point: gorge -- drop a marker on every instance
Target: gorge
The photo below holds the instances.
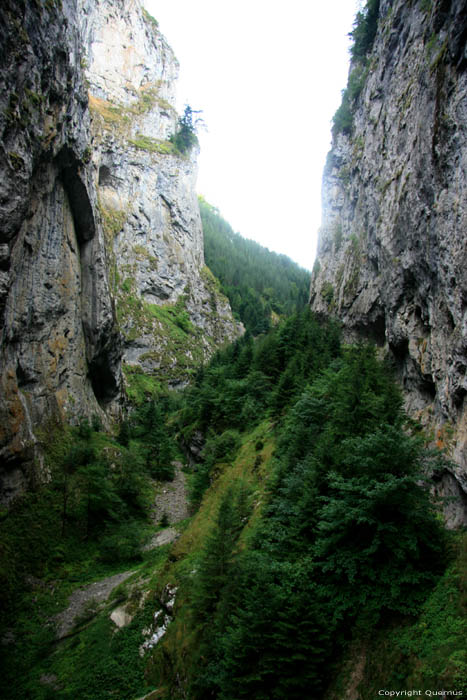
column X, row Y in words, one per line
column 214, row 485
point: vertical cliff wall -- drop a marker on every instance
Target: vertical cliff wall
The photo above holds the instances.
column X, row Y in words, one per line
column 170, row 312
column 101, row 247
column 392, row 253
column 59, row 351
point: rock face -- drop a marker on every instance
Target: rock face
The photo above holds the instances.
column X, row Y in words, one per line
column 60, row 350
column 392, row 254
column 170, row 311
column 101, row 248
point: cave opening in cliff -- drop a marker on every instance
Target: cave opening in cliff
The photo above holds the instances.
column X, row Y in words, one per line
column 77, row 193
column 374, row 331
column 103, row 381
column 104, row 175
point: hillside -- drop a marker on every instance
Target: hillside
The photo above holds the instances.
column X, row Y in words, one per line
column 192, row 511
column 311, row 532
column 261, row 285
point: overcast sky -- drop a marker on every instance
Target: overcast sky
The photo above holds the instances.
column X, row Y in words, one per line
column 268, row 76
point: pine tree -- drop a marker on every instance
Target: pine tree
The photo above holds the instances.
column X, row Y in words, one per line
column 378, row 541
column 216, row 561
column 158, row 443
column 276, row 641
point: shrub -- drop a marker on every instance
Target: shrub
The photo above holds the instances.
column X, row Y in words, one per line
column 84, row 429
column 96, row 423
column 182, row 320
column 222, row 446
column 342, row 120
column 122, row 544
column 327, row 292
column 363, row 35
column 356, row 81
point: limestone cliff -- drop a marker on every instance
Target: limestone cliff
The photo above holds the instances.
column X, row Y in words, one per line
column 60, row 351
column 170, row 311
column 392, row 255
column 97, row 211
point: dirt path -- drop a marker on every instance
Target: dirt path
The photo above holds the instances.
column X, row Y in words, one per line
column 82, row 597
column 172, row 499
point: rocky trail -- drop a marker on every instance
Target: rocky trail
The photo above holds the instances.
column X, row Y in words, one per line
column 170, row 501
column 83, row 599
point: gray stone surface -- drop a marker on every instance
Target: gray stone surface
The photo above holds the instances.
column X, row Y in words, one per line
column 166, row 536
column 392, row 247
column 60, row 350
column 97, row 213
column 121, row 617
column 171, row 498
column 81, row 600
column 147, row 195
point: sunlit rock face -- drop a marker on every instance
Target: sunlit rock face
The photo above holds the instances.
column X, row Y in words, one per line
column 147, row 197
column 60, row 350
column 392, row 252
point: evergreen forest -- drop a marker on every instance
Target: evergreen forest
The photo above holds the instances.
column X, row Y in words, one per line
column 311, row 536
column 261, row 286
column 311, row 558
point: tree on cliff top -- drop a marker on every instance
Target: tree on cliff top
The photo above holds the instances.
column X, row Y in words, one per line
column 364, row 30
column 185, row 137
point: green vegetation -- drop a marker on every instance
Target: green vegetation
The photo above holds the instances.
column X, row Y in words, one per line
column 146, row 143
column 426, row 5
column 248, row 379
column 96, row 482
column 327, row 292
column 112, row 115
column 345, row 539
column 342, row 120
column 25, row 109
column 314, row 533
column 185, row 137
column 435, row 645
column 113, row 221
column 364, row 30
column 140, row 385
column 259, row 284
column 100, row 663
column 337, row 236
column 120, row 117
column 17, row 162
column 88, row 521
column 426, row 652
column 363, row 36
column 178, row 347
column 152, row 21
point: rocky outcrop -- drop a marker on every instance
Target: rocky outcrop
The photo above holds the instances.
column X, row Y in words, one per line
column 101, row 247
column 392, row 255
column 60, row 350
column 171, row 313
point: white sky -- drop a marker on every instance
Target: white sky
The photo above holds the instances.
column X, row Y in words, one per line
column 268, row 76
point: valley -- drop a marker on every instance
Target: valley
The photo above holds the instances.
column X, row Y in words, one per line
column 221, row 475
